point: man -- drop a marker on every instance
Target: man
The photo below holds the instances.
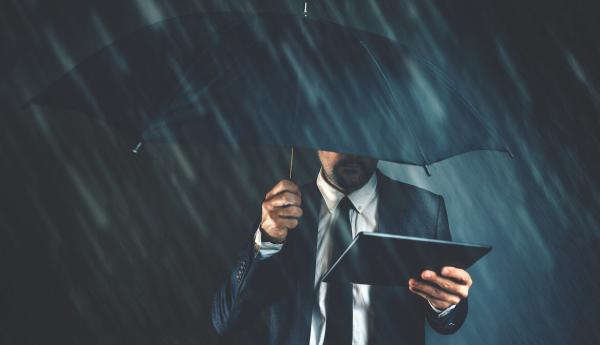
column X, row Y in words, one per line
column 274, row 293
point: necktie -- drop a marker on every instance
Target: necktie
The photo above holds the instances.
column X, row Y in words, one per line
column 338, row 301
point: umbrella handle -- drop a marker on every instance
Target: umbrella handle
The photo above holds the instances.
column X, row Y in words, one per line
column 291, row 162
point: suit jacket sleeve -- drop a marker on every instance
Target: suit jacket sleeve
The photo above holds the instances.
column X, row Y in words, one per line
column 251, row 285
column 451, row 322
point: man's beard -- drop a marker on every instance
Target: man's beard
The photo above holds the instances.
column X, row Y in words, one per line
column 351, row 173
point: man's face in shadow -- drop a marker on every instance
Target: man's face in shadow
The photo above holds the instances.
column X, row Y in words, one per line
column 346, row 172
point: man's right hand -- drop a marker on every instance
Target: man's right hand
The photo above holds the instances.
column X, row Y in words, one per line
column 281, row 210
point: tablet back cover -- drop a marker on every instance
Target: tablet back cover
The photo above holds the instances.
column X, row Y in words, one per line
column 386, row 259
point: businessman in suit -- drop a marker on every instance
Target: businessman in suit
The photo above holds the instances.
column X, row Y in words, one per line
column 274, row 294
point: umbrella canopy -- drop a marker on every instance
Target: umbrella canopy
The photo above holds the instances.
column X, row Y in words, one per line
column 279, row 80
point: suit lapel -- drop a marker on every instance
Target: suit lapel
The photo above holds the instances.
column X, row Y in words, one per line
column 308, row 226
column 391, row 208
column 394, row 216
column 303, row 250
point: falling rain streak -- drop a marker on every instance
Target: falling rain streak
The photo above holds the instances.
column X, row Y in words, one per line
column 103, row 246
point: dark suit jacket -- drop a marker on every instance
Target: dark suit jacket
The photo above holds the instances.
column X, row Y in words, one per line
column 270, row 300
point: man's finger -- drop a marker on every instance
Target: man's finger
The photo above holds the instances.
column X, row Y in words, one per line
column 457, row 274
column 284, row 199
column 289, row 223
column 435, row 292
column 283, row 186
column 446, row 284
column 438, row 303
column 289, row 212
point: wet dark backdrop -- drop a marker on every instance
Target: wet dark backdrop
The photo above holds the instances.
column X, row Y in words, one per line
column 98, row 246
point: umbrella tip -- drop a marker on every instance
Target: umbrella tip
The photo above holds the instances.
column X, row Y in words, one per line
column 137, row 147
column 510, row 154
column 426, row 168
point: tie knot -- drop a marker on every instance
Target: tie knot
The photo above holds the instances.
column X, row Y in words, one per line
column 345, row 205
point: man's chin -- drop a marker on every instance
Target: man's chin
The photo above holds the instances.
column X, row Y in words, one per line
column 353, row 181
column 350, row 177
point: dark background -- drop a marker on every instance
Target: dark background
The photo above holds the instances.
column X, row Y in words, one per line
column 100, row 246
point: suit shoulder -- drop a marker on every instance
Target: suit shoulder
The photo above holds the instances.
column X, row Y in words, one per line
column 406, row 188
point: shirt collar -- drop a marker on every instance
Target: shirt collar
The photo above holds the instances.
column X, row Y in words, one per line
column 359, row 198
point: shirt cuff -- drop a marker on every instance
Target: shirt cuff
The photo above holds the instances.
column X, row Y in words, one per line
column 265, row 249
column 441, row 313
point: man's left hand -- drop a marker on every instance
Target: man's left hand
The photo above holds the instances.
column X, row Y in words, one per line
column 442, row 290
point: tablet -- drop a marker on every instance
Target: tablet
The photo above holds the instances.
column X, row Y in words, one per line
column 387, row 259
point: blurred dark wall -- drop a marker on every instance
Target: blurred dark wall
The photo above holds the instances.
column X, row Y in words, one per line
column 100, row 246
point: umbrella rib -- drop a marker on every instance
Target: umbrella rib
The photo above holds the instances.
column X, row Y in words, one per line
column 456, row 91
column 426, row 163
column 387, row 84
column 181, row 87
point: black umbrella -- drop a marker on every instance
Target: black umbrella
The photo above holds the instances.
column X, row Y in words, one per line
column 281, row 80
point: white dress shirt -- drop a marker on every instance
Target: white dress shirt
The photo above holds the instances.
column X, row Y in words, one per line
column 362, row 218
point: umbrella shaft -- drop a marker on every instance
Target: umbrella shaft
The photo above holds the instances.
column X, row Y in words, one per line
column 291, row 162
